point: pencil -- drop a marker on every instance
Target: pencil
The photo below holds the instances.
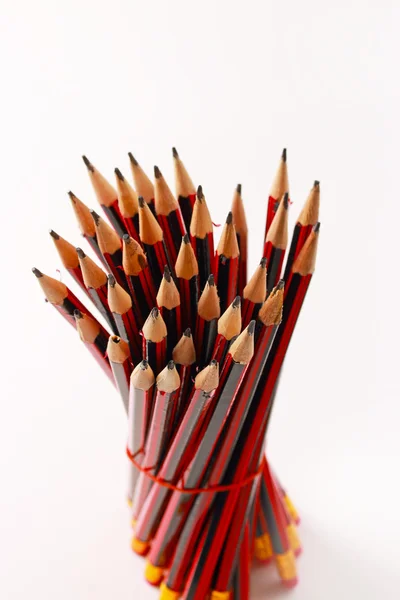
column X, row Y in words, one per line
column 169, row 215
column 106, row 196
column 169, row 304
column 143, row 185
column 151, row 236
column 184, row 356
column 279, row 187
column 121, row 364
column 202, row 239
column 184, row 188
column 227, row 263
column 95, row 337
column 276, row 243
column 110, row 246
column 138, row 276
column 128, row 205
column 86, row 225
column 254, row 293
column 69, row 258
column 208, row 311
column 229, row 327
column 187, row 271
column 154, row 340
column 120, row 304
column 239, row 221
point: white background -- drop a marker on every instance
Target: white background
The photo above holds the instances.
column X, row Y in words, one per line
column 229, row 84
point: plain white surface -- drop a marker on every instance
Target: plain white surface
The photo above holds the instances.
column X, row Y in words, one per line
column 229, row 84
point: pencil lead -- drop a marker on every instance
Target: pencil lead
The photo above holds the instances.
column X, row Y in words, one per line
column 236, row 303
column 141, row 201
column 271, row 311
column 286, row 200
column 168, row 380
column 187, row 332
column 96, row 216
column 316, row 227
column 119, row 175
column 229, row 218
column 251, row 327
column 186, row 239
column 126, row 238
column 211, row 280
column 154, row 313
column 184, row 352
column 207, row 380
column 280, row 285
column 167, row 274
column 133, row 159
column 175, row 153
column 199, row 193
column 242, row 348
column 144, row 364
column 77, row 314
column 54, row 234
column 263, row 262
column 71, row 195
column 36, row 272
column 142, row 376
column 230, row 323
column 80, row 253
column 214, row 362
column 157, row 173
column 284, row 155
column 171, row 365
column 239, row 188
column 111, row 280
column 88, row 164
column 316, row 183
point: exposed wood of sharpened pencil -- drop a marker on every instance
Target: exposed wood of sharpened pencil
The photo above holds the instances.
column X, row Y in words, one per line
column 154, row 340
column 276, row 243
column 140, row 405
column 69, row 258
column 128, row 205
column 184, row 356
column 239, row 221
column 61, row 297
column 111, row 248
column 168, row 543
column 169, row 215
column 160, row 432
column 95, row 281
column 254, row 293
column 107, row 197
column 143, row 185
column 227, row 263
column 181, row 451
column 120, row 304
column 95, row 338
column 229, row 327
column 208, row 311
column 86, row 225
column 152, row 238
column 305, row 222
column 280, row 187
column 121, row 364
column 184, row 188
column 202, row 238
column 169, row 304
column 139, row 278
column 187, row 271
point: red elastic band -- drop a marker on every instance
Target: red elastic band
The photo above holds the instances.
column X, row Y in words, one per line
column 212, row 488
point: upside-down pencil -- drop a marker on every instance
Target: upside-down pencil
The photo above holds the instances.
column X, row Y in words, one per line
column 239, row 221
column 184, row 356
column 226, row 265
column 276, row 243
column 208, row 311
column 169, row 215
column 69, row 258
column 160, row 432
column 128, row 205
column 143, row 185
column 154, row 340
column 95, row 338
column 178, row 514
column 202, row 238
column 187, row 271
column 178, row 457
column 95, row 281
column 254, row 293
column 120, row 304
column 184, row 189
column 229, row 326
column 279, row 187
column 138, row 276
column 151, row 236
column 86, row 225
column 121, row 364
column 139, row 413
column 107, row 197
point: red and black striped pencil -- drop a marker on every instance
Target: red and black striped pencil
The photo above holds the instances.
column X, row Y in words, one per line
column 208, row 311
column 201, row 237
column 226, row 265
column 128, row 205
column 86, row 225
column 239, row 221
column 187, row 271
column 142, row 183
column 254, row 293
column 69, row 258
column 169, row 215
column 152, row 238
column 184, row 189
column 280, row 187
column 169, row 304
column 276, row 243
column 154, row 334
column 121, row 364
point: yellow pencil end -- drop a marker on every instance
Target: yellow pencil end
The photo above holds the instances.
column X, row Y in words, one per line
column 153, row 574
column 294, row 515
column 139, row 547
column 220, row 595
column 293, row 538
column 263, row 547
column 286, row 565
column 167, row 594
column 129, row 502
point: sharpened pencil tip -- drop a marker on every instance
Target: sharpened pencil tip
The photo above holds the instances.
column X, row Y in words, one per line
column 229, row 218
column 154, row 313
column 280, row 285
column 115, row 339
column 80, row 253
column 167, row 274
column 199, row 193
column 111, row 280
column 211, row 280
column 142, row 202
column 133, row 159
column 316, row 227
column 72, row 196
column 144, row 364
column 251, row 327
column 186, row 239
column 213, row 363
column 236, row 302
column 157, row 172
column 286, row 200
column 175, row 152
column 119, row 175
column 96, row 216
column 284, row 154
column 171, row 365
column 239, row 188
column 77, row 314
column 316, row 183
column 187, row 332
column 88, row 163
column 263, row 262
column 126, row 238
column 54, row 234
column 36, row 272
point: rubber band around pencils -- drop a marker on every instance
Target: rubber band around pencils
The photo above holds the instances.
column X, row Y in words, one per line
column 194, row 491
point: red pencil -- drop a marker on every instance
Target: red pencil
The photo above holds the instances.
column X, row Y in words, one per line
column 201, row 237
column 120, row 304
column 143, row 185
column 86, row 225
column 152, row 238
column 95, row 338
column 229, row 327
column 187, row 272
column 121, row 364
column 226, row 265
column 139, row 278
column 208, row 311
column 279, row 187
column 239, row 221
column 154, row 334
column 169, row 304
column 254, row 293
column 276, row 243
column 169, row 215
column 69, row 258
column 184, row 189
column 111, row 248
column 128, row 205
column 184, row 356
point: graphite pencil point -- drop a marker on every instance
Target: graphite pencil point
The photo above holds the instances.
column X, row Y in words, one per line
column 88, row 163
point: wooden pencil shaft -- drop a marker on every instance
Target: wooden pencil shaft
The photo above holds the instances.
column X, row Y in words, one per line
column 121, row 376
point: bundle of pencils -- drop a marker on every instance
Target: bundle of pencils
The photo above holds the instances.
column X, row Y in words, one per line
column 195, row 351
